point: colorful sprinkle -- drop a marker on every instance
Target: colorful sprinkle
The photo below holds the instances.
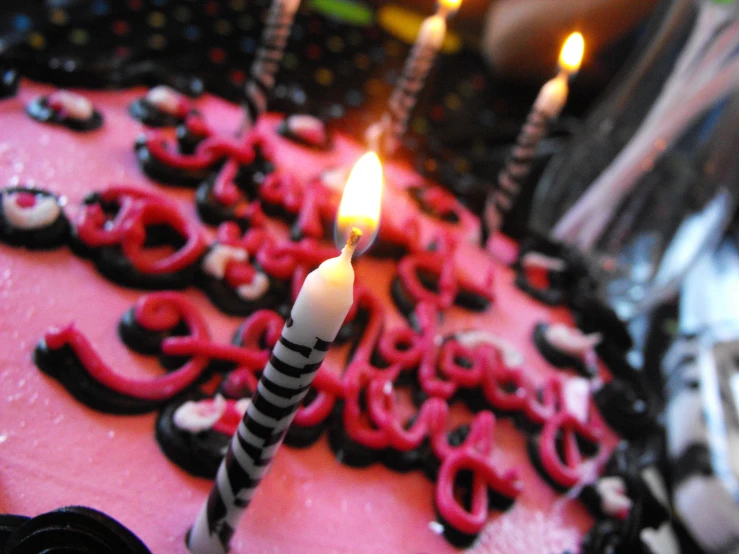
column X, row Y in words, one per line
column 245, row 22
column 120, row 27
column 290, row 61
column 37, row 41
column 420, row 125
column 335, row 44
column 466, row 88
column 135, row 5
column 324, row 76
column 313, row 51
column 238, row 77
column 362, row 61
column 192, row 33
column 58, row 17
column 315, row 27
column 157, row 20
column 78, row 36
column 157, row 41
column 436, row 113
column 222, row 27
column 453, row 101
column 22, row 22
column 182, row 14
column 212, row 8
column 100, row 7
column 248, row 45
column 217, row 55
column 462, row 165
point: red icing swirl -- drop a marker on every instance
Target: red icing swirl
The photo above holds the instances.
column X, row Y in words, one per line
column 138, row 210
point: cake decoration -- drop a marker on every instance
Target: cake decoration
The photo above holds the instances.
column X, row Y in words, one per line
column 119, row 228
column 400, row 379
column 567, row 347
column 433, row 278
column 306, row 130
column 66, row 108
column 631, row 507
column 67, row 355
column 161, row 106
column 33, row 218
column 72, row 529
column 625, row 409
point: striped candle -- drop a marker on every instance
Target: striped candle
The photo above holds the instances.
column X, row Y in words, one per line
column 314, row 322
column 268, row 58
column 384, row 136
column 547, row 107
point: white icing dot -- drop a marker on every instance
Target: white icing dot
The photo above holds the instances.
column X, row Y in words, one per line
column 613, row 499
column 576, row 397
column 308, row 128
column 256, row 289
column 75, row 105
column 199, row 416
column 536, row 259
column 215, row 262
column 471, row 339
column 570, row 339
column 43, row 213
column 165, row 99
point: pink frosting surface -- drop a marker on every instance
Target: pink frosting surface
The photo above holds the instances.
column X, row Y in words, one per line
column 55, row 451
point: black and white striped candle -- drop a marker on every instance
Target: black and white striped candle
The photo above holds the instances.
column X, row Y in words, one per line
column 267, row 61
column 394, row 122
column 517, row 168
column 547, row 107
column 315, row 319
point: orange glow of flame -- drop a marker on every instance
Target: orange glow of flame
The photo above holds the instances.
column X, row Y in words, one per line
column 449, row 6
column 572, row 52
column 361, row 202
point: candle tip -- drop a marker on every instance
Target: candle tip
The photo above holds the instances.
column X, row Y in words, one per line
column 354, row 237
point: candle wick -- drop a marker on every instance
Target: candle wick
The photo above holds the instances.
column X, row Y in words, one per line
column 351, row 243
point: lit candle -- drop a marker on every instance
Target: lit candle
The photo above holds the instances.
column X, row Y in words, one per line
column 547, row 107
column 268, row 58
column 319, row 311
column 385, row 134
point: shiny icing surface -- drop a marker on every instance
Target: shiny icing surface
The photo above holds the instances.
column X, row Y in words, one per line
column 308, row 491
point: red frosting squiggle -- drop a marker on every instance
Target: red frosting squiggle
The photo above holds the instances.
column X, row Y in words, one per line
column 138, row 210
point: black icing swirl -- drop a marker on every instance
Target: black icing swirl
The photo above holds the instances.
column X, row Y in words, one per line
column 74, row 529
column 625, row 409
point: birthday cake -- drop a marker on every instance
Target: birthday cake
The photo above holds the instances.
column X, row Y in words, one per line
column 147, row 274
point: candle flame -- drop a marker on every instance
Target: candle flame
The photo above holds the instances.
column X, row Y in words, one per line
column 449, row 7
column 572, row 52
column 360, row 203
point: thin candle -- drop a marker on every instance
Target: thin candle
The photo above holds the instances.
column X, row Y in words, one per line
column 267, row 61
column 315, row 319
column 547, row 107
column 386, row 134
